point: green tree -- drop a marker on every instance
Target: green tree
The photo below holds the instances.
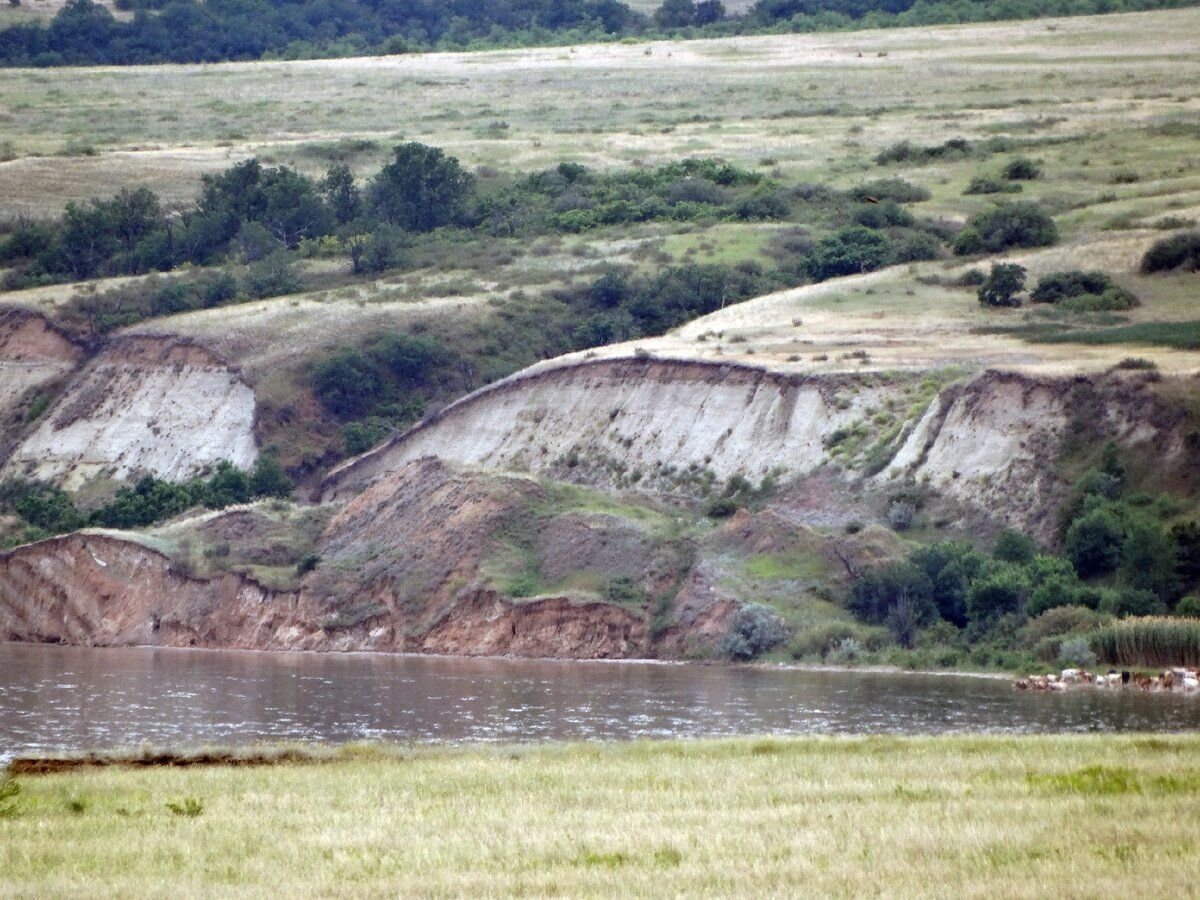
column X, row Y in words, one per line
column 1093, row 543
column 347, row 383
column 87, row 239
column 269, row 479
column 341, row 193
column 1002, row 285
column 1014, row 547
column 227, row 485
column 999, row 592
column 421, row 188
column 675, row 14
column 1149, row 562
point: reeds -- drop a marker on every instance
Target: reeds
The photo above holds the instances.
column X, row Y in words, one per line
column 1149, row 641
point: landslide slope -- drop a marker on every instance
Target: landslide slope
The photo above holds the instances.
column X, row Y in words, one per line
column 431, row 559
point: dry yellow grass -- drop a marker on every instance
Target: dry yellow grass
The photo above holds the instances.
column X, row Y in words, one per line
column 820, row 105
column 949, row 817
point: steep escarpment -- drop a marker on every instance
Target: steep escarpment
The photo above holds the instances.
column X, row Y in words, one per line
column 143, row 405
column 98, row 590
column 990, row 442
column 34, row 356
column 730, row 419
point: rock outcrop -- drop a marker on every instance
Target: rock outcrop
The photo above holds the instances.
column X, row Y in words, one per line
column 989, row 443
column 143, row 405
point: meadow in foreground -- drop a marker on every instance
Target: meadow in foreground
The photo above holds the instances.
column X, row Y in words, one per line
column 1068, row 816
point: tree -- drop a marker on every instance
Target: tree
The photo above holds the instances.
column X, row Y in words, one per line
column 347, row 383
column 1186, row 536
column 1093, row 543
column 1014, row 547
column 878, row 591
column 1001, row 592
column 421, row 188
column 1002, row 285
column 341, row 193
column 1006, row 226
column 269, row 478
column 1149, row 561
column 86, row 240
column 675, row 14
column 709, row 11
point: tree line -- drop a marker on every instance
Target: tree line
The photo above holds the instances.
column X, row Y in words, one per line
column 179, row 31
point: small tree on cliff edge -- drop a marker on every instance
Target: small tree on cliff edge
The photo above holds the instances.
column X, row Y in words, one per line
column 1002, row 285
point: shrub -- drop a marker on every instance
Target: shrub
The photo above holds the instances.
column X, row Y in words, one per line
column 1188, row 607
column 347, row 383
column 895, row 189
column 986, row 184
column 849, row 251
column 268, row 479
column 883, row 215
column 1056, row 286
column 1173, row 252
column 917, row 247
column 189, row 807
column 1076, row 652
column 1003, row 283
column 1004, row 227
column 1060, row 621
column 9, row 791
column 1115, row 299
column 900, row 515
column 754, row 630
column 1022, row 169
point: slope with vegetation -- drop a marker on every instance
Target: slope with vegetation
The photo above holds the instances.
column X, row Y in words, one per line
column 808, row 354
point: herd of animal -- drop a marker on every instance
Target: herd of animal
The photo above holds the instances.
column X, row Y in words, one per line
column 1167, row 680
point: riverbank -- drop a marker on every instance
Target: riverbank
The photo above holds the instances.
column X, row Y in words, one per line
column 1067, row 816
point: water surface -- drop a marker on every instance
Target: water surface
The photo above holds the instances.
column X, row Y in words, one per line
column 73, row 698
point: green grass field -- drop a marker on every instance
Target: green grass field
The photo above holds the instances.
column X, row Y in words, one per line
column 995, row 817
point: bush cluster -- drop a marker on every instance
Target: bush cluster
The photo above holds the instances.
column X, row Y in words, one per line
column 49, row 510
column 1119, row 559
column 1174, row 252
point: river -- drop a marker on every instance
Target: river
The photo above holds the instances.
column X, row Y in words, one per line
column 55, row 698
